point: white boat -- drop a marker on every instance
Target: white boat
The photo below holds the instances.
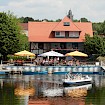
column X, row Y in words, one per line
column 76, row 79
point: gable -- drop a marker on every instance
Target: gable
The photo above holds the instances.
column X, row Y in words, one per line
column 66, row 25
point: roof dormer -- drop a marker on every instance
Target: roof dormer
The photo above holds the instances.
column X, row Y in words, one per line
column 66, row 23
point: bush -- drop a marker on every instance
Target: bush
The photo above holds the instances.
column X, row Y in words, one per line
column 16, row 57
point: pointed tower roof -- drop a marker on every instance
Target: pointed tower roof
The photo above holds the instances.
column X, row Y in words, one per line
column 66, row 25
column 69, row 15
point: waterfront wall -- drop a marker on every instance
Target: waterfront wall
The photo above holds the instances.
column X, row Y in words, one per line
column 54, row 69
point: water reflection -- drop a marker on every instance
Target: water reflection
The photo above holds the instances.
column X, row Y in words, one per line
column 77, row 91
column 24, row 92
column 53, row 92
column 19, row 90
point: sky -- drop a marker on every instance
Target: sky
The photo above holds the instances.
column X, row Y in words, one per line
column 93, row 10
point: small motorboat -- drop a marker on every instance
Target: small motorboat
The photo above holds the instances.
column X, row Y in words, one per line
column 76, row 79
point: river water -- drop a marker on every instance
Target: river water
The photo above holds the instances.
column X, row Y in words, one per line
column 21, row 89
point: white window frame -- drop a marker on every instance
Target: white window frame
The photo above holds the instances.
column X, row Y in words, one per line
column 73, row 35
column 66, row 23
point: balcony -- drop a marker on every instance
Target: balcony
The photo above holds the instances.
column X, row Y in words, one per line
column 63, row 51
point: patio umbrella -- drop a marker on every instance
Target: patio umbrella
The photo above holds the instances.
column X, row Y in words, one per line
column 76, row 53
column 51, row 53
column 24, row 53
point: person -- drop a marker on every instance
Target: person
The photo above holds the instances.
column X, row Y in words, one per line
column 39, row 62
column 43, row 62
column 36, row 62
column 77, row 63
column 71, row 63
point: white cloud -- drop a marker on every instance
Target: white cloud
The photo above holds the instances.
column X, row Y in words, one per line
column 93, row 10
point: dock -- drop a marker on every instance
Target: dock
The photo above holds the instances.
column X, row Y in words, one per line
column 3, row 70
column 32, row 70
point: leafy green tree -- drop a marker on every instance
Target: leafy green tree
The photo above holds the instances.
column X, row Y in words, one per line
column 103, row 28
column 21, row 19
column 97, row 28
column 26, row 19
column 75, row 20
column 23, row 42
column 58, row 20
column 9, row 31
column 89, row 44
column 95, row 45
column 84, row 20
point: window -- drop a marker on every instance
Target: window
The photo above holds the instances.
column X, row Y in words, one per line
column 66, row 23
column 57, row 33
column 63, row 45
column 40, row 45
column 74, row 35
column 75, row 45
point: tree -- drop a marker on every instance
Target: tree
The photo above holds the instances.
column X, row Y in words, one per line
column 84, row 20
column 75, row 20
column 95, row 45
column 9, row 31
column 89, row 44
column 103, row 28
column 23, row 42
column 26, row 19
column 37, row 20
column 58, row 20
column 21, row 19
column 97, row 27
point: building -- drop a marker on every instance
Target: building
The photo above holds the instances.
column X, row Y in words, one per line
column 63, row 36
column 24, row 27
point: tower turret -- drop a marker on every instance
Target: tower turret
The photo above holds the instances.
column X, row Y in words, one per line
column 69, row 15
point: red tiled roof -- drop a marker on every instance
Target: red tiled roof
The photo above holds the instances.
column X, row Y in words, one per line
column 61, row 27
column 43, row 31
column 86, row 28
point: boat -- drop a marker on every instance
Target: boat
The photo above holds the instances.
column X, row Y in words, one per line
column 76, row 79
column 4, row 72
